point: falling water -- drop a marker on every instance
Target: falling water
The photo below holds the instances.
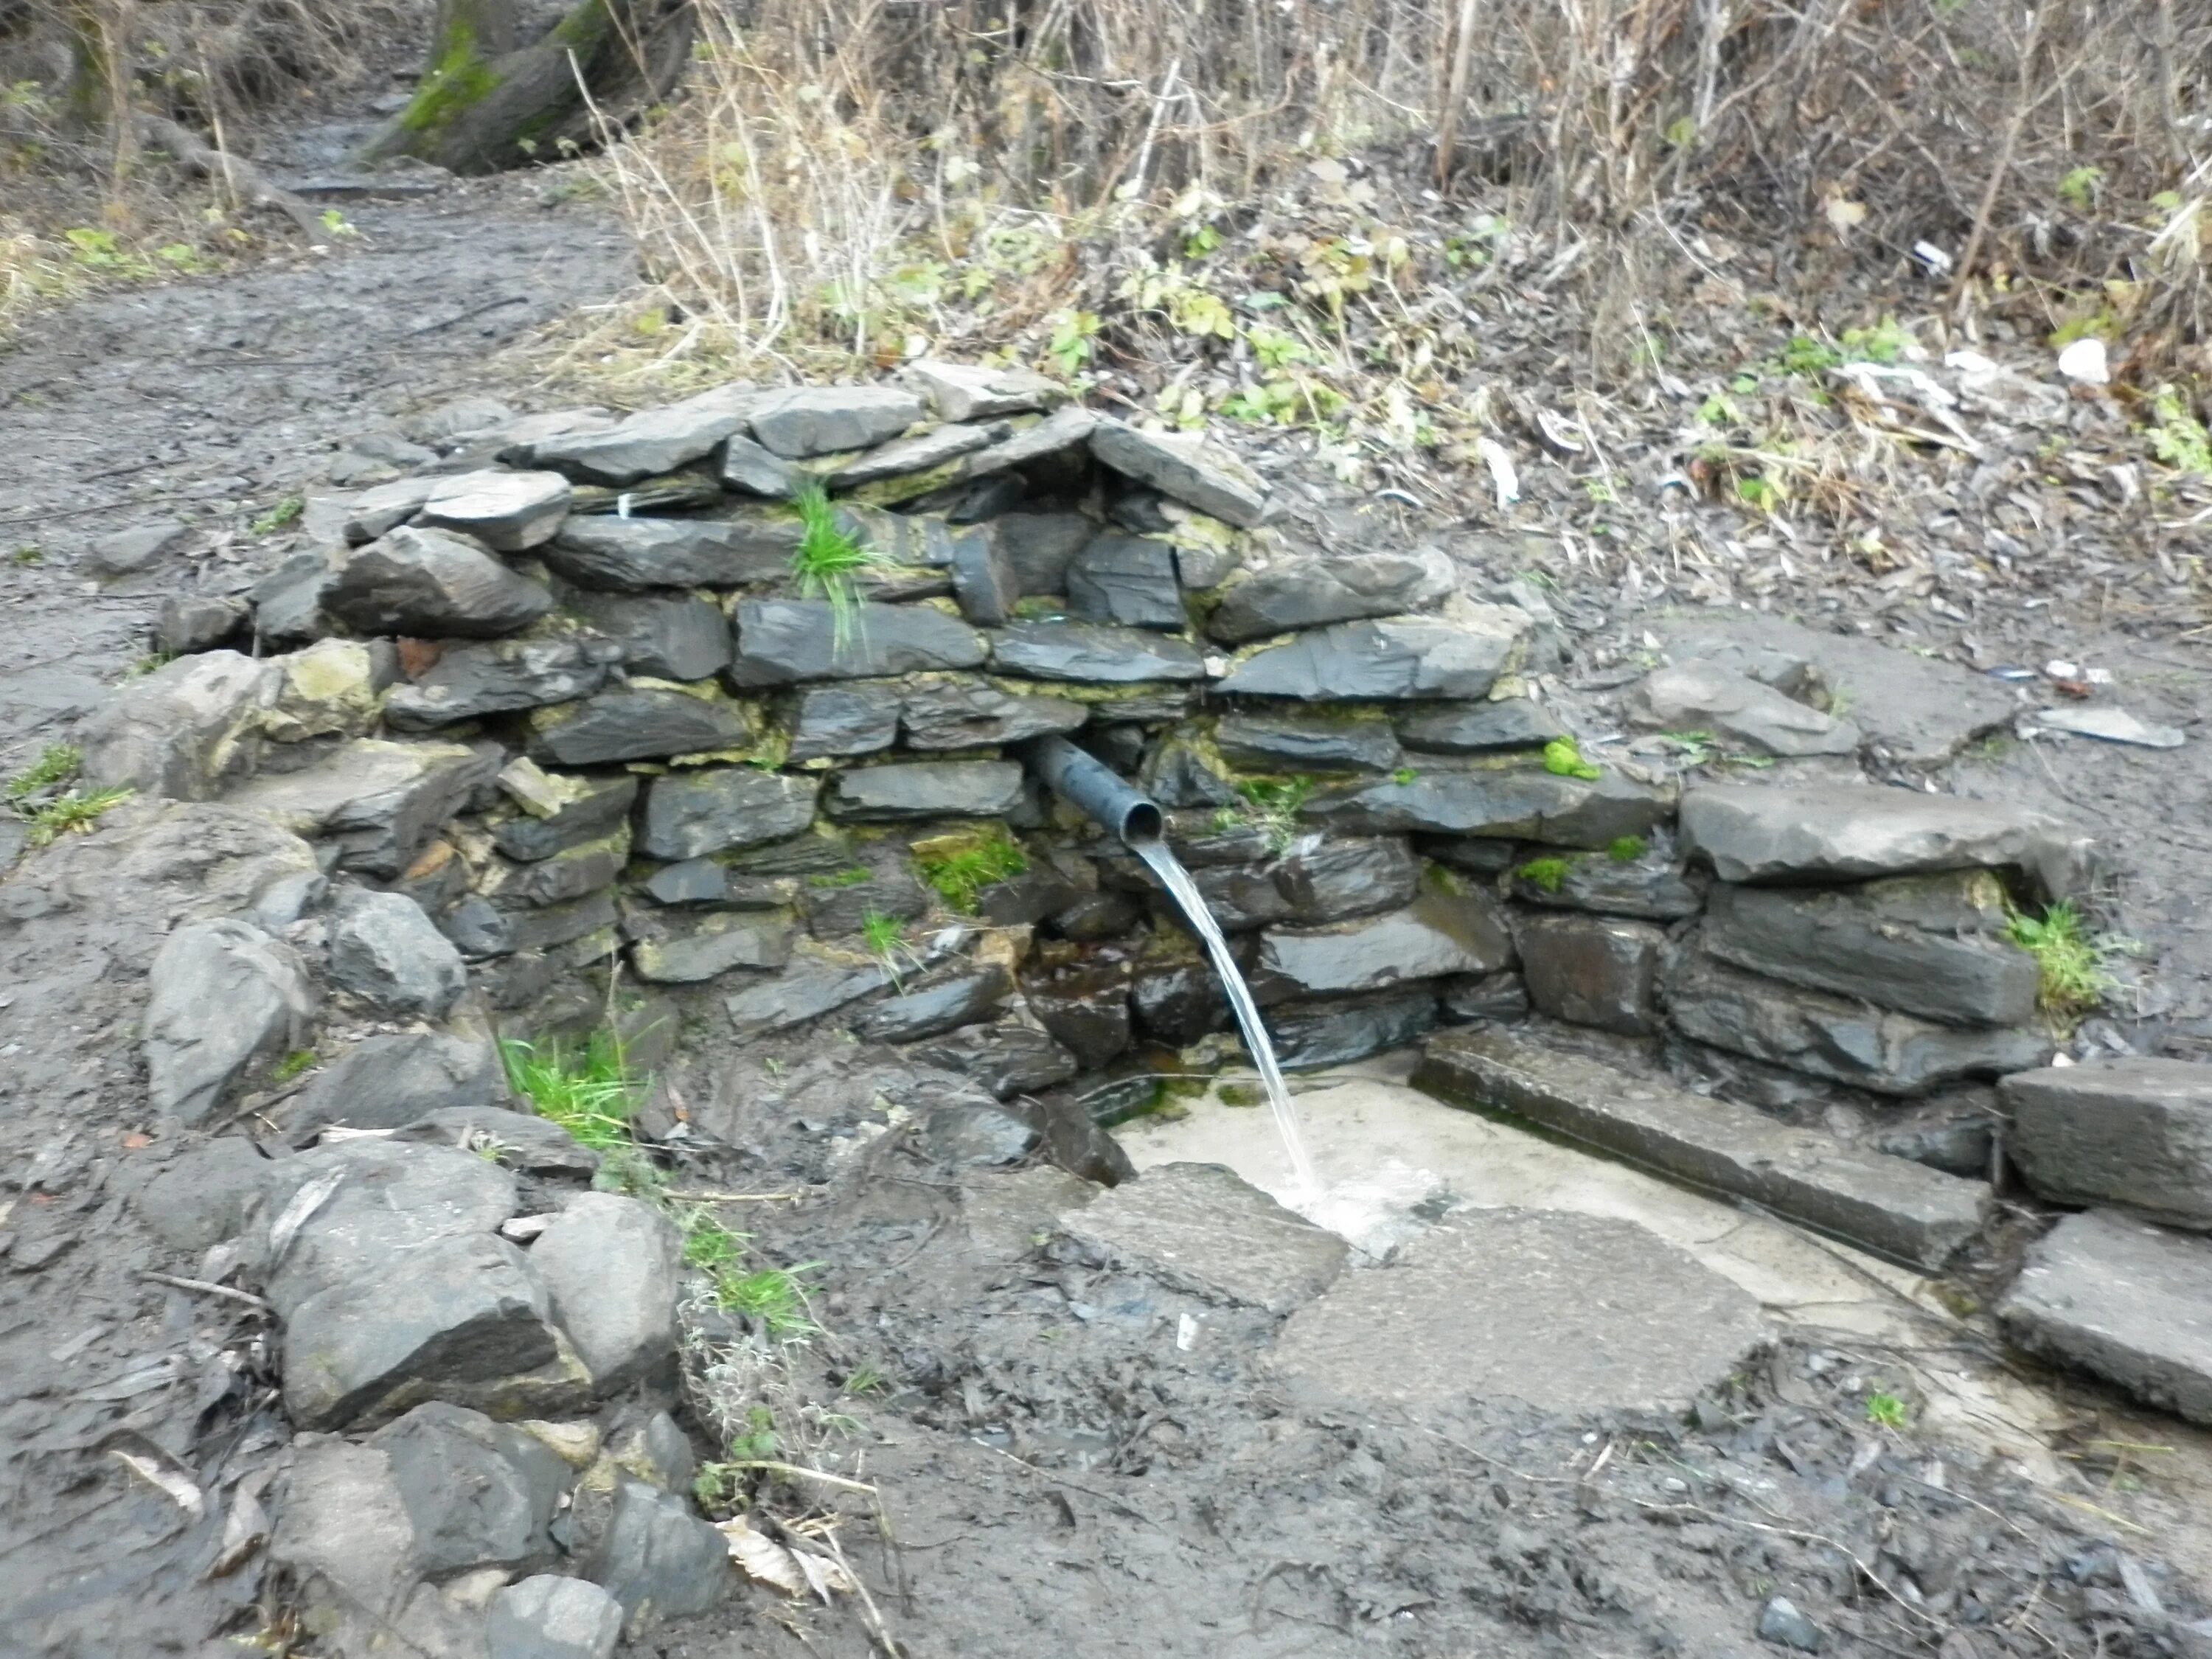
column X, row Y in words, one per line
column 1177, row 881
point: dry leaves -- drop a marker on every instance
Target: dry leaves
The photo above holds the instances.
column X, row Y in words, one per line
column 795, row 1572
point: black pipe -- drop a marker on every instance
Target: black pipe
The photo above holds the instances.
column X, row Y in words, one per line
column 1092, row 786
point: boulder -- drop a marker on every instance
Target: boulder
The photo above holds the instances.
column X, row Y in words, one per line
column 657, row 1559
column 204, row 1195
column 1437, row 934
column 1327, row 881
column 783, row 641
column 1480, row 728
column 1591, row 970
column 199, row 622
column 1739, row 711
column 331, row 688
column 1085, row 1007
column 1186, row 468
column 384, row 950
column 668, row 952
column 1007, row 1059
column 343, row 1527
column 1496, row 999
column 127, row 552
column 432, row 584
column 1459, row 652
column 548, row 1617
column 1522, row 803
column 651, row 441
column 834, row 722
column 1108, row 656
column 630, row 556
column 968, row 392
column 1322, row 1031
column 222, row 996
column 572, row 873
column 663, row 636
column 288, row 601
column 960, row 712
column 2122, row 1300
column 690, row 814
column 641, row 721
column 932, row 1008
column 185, row 731
column 1128, row 582
column 1314, row 592
column 2131, row 1131
column 507, row 512
column 612, row 1265
column 560, row 811
column 1056, row 446
column 470, row 681
column 379, row 801
column 827, row 420
column 1933, row 946
column 925, row 789
column 371, row 1201
column 1299, row 743
column 478, row 1493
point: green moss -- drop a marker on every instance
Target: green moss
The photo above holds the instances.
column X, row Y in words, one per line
column 460, row 80
column 1626, row 849
column 960, row 867
column 1241, row 1094
column 2069, row 963
column 836, row 878
column 295, row 1064
column 1404, row 776
column 1550, row 874
column 1563, row 758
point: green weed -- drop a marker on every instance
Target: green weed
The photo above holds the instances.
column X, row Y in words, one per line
column 959, row 867
column 2178, row 438
column 58, row 764
column 298, row 1063
column 867, row 1379
column 1273, row 805
column 886, row 937
column 2068, row 963
column 1885, row 343
column 772, row 1298
column 1626, row 849
column 1563, row 758
column 283, row 516
column 829, row 562
column 591, row 1094
column 28, row 558
column 1550, row 874
column 2078, row 187
column 1404, row 776
column 1886, row 1411
column 1809, row 357
column 71, row 814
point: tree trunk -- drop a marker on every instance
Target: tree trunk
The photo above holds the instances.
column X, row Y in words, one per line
column 487, row 103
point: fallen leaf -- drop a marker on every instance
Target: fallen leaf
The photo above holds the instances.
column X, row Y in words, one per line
column 1843, row 215
column 761, row 1558
column 180, row 1487
column 309, row 1199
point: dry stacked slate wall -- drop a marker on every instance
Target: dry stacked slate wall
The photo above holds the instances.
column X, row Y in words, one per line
column 569, row 697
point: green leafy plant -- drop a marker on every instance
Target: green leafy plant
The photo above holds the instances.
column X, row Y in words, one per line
column 2178, row 438
column 1809, row 357
column 1404, row 776
column 959, row 867
column 338, row 224
column 2077, row 187
column 281, row 516
column 1563, row 758
column 589, row 1094
column 1272, row 806
column 1886, row 1411
column 1549, row 874
column 2069, row 966
column 1885, row 343
column 71, row 814
column 829, row 562
column 1626, row 849
column 772, row 1298
column 56, row 764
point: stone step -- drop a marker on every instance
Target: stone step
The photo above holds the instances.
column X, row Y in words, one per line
column 1892, row 1208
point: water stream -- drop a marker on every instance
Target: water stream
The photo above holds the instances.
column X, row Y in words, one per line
column 1177, row 881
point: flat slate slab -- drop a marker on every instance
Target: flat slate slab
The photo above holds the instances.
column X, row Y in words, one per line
column 1894, row 1208
column 1202, row 1227
column 1571, row 1313
column 2133, row 1131
column 2127, row 1301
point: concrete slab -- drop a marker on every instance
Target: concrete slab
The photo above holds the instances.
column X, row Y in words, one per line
column 1571, row 1312
column 1202, row 1227
column 1904, row 1210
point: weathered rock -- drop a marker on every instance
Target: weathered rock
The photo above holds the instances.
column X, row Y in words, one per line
column 1126, row 580
column 782, row 641
column 479, row 1493
column 1845, row 832
column 2122, row 1300
column 1578, row 1315
column 1480, row 728
column 1178, row 999
column 1190, row 472
column 665, row 637
column 204, row 1195
column 818, row 982
column 1313, row 592
column 1007, row 1059
column 1780, row 1623
column 751, row 469
column 1832, row 1036
column 967, row 391
column 222, row 996
column 532, row 1145
column 1039, row 547
column 1738, row 710
column 925, row 789
column 830, row 419
column 1650, row 886
column 1458, row 653
column 932, row 1008
column 379, row 511
column 561, row 810
column 978, row 1135
column 1085, row 1006
column 657, row 1559
column 2136, row 1131
column 984, row 579
column 1328, row 882
column 507, row 512
column 387, row 952
column 193, row 623
column 379, row 801
column 343, row 1524
column 183, row 731
column 834, row 722
column 432, row 584
column 1198, row 1228
column 612, row 1265
column 331, row 688
column 643, row 721
column 288, row 601
column 690, row 814
column 959, row 713
column 630, row 555
column 906, row 457
column 1591, row 970
column 1096, row 917
column 1336, row 1030
column 572, row 873
column 548, row 1617
column 1898, row 1210
column 585, row 925
column 1308, row 743
column 1438, row 933
column 650, row 442
column 127, row 552
column 470, row 681
column 665, row 952
column 374, row 1200
column 514, row 443
column 1953, row 1132
column 1526, row 804
column 1078, row 651
column 1500, row 998
column 1933, row 945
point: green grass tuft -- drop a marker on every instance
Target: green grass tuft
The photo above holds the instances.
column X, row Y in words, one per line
column 71, row 814
column 959, row 867
column 298, row 1062
column 1273, row 805
column 1550, row 874
column 2069, row 965
column 283, row 516
column 591, row 1094
column 1626, row 849
column 829, row 562
column 772, row 1298
column 1886, row 1411
column 57, row 763
column 1563, row 758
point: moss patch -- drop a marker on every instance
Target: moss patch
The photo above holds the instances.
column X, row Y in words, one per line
column 461, row 79
column 1549, row 874
column 959, row 867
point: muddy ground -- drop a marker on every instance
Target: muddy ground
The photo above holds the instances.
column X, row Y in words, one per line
column 1054, row 1472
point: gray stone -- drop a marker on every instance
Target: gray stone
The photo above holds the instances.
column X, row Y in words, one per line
column 1078, row 651
column 652, row 441
column 1480, row 728
column 507, row 512
column 2122, row 1300
column 470, row 681
column 834, row 722
column 1007, row 1059
column 382, row 1200
column 1500, row 998
column 984, row 579
column 582, row 810
column 1040, row 546
column 1085, row 1007
column 1848, row 832
column 1780, row 1623
column 692, row 881
column 514, row 443
column 1313, row 592
column 458, row 1318
column 1526, row 804
column 1192, row 473
column 978, row 1135
column 479, row 930
column 222, row 996
column 1933, row 945
column 1057, row 444
column 905, row 458
column 379, row 801
column 690, row 814
column 1267, row 742
column 968, row 392
column 641, row 722
column 1579, row 1315
column 818, row 982
column 204, row 1195
column 550, row 1617
column 288, row 601
column 1437, row 934
column 1650, row 886
column 751, row 469
column 386, row 951
column 1948, row 1133
column 370, row 457
column 1200, row 1228
column 932, row 1008
column 379, row 511
column 1329, row 881
column 1836, row 1037
column 1337, row 1031
column 1738, row 711
column 1126, row 580
column 479, row 1493
column 331, row 688
column 194, row 623
column 925, row 789
column 667, row 952
column 652, row 1448
column 1591, row 970
column 1180, row 772
column 533, row 1145
column 579, row 924
column 183, row 731
column 1458, row 653
column 665, row 637
column 830, row 419
column 343, row 1522
column 630, row 555
column 951, row 712
column 2132, row 1131
column 127, row 552
column 782, row 641
column 1898, row 1210
column 574, row 872
column 657, row 1559
column 612, row 1265
column 432, row 584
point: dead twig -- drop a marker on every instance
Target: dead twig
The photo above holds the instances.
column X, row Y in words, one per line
column 210, row 1289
